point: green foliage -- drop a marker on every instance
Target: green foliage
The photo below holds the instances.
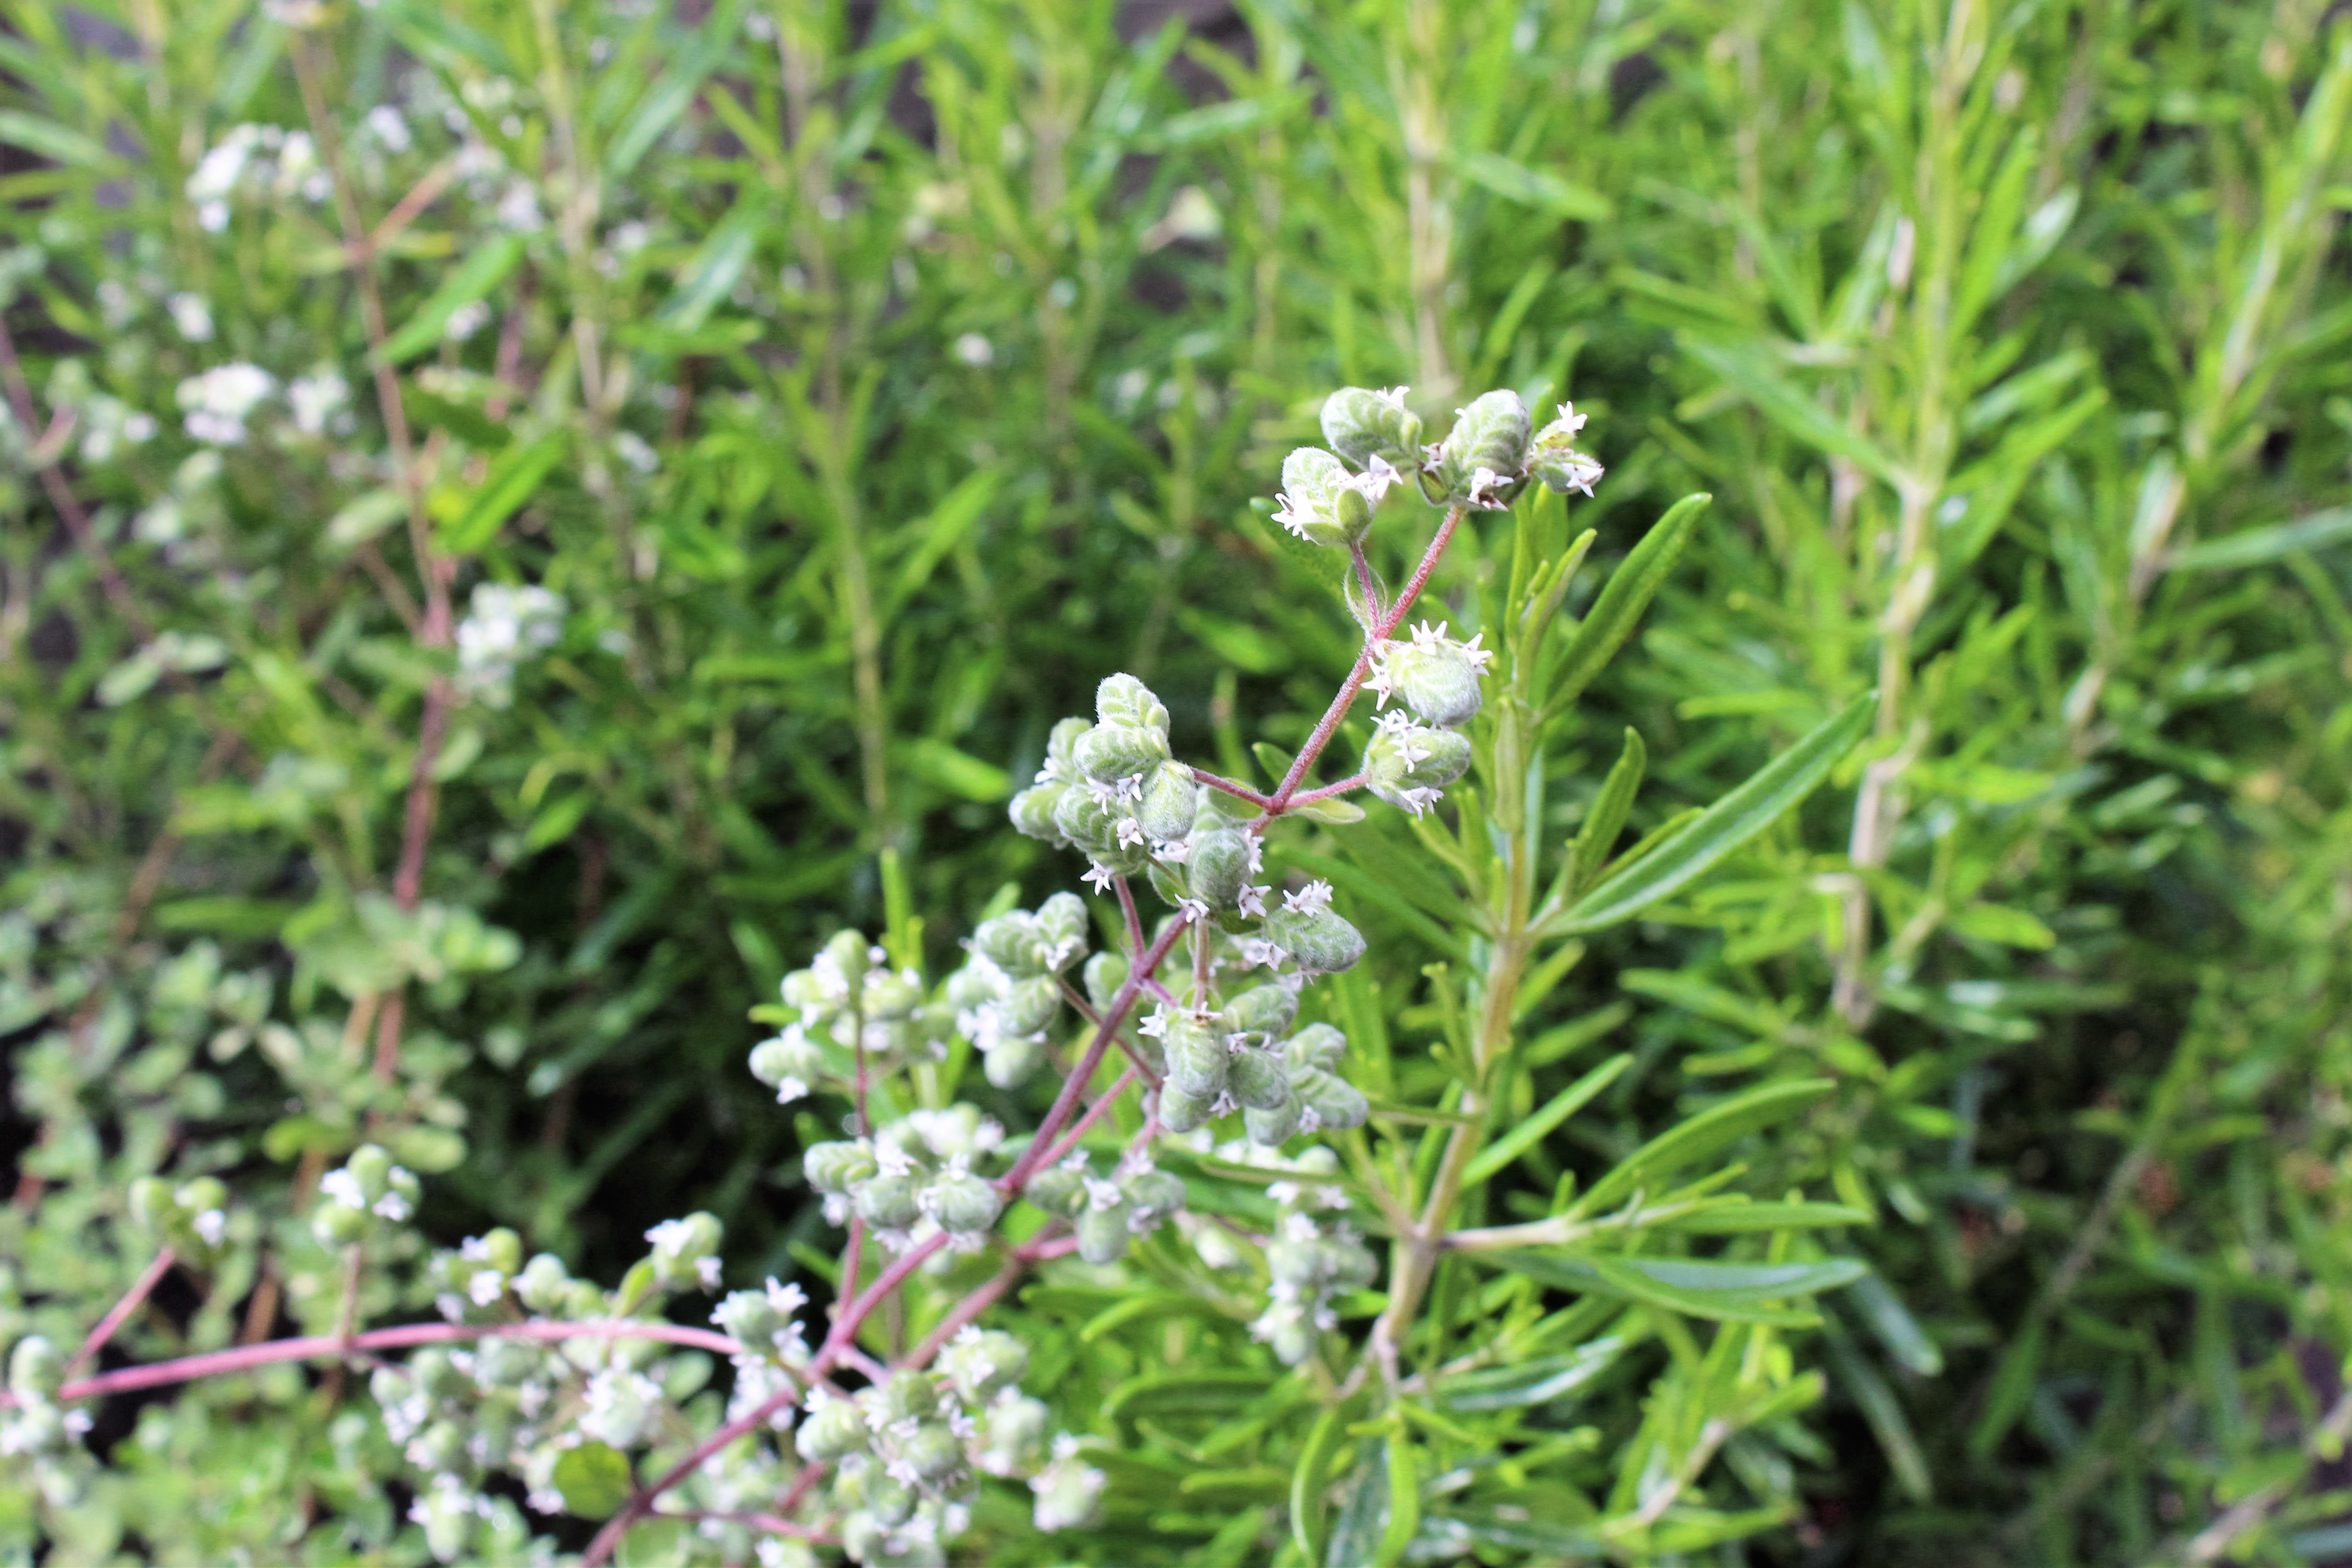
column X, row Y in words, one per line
column 682, row 469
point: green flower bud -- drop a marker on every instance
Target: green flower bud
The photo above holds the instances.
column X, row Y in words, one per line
column 1197, row 1058
column 1012, row 942
column 505, row 1363
column 891, row 1502
column 1013, row 1434
column 149, row 1203
column 1407, row 764
column 1322, row 503
column 1273, row 1124
column 684, row 1252
column 1336, row 1105
column 447, row 1514
column 1170, row 797
column 1317, row 1045
column 834, row 1430
column 1111, row 752
column 837, row 1167
column 440, row 1448
column 891, row 994
column 805, row 991
column 1061, row 748
column 1293, row 1340
column 1105, row 831
column 1103, row 974
column 338, row 1224
column 1034, row 809
column 1317, row 939
column 1056, row 1189
column 1123, row 699
column 1219, row 867
column 1063, row 924
column 1069, row 1494
column 980, row 1364
column 1102, row 1232
column 1028, row 1006
column 502, row 1250
column 1256, row 1078
column 1434, row 676
column 964, row 1203
column 792, row 1057
column 1555, row 460
column 849, row 954
column 1487, row 451
column 905, row 1395
column 1012, row 1060
column 539, row 1286
column 1153, row 1194
column 1350, row 1266
column 1262, row 1010
column 1361, row 424
column 1295, row 1263
column 35, row 1370
column 891, row 1203
column 371, row 1168
column 933, row 1451
column 1180, row 1111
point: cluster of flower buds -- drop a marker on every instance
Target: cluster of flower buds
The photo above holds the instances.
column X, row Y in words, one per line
column 1244, row 1056
column 847, row 996
column 905, row 1450
column 1418, row 749
column 1105, row 1212
column 38, row 1426
column 766, row 1324
column 913, row 1179
column 1111, row 788
column 367, row 1190
column 1312, row 1256
column 191, row 1217
column 1492, row 449
column 1010, row 988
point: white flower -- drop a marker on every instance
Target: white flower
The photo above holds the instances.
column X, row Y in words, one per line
column 1099, row 876
column 191, row 316
column 1420, row 798
column 1252, row 899
column 211, row 1225
column 392, row 1206
column 1156, row 1025
column 1312, row 899
column 789, row 1089
column 466, row 320
column 339, row 1185
column 1191, row 910
column 384, row 123
column 975, row 351
column 518, row 210
column 503, row 627
column 1130, row 832
column 217, row 403
column 1288, row 516
column 485, row 1286
column 316, row 398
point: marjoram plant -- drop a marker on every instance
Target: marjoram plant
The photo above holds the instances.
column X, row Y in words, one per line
column 1296, row 1311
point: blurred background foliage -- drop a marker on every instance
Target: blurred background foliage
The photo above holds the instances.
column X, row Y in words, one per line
column 869, row 378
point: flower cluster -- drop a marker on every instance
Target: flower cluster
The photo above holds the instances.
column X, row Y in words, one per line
column 906, row 1451
column 1312, row 1256
column 1238, row 1058
column 367, row 1190
column 503, row 627
column 1111, row 788
column 913, row 1179
column 1105, row 1212
column 1010, row 988
column 847, row 1000
column 256, row 161
column 37, row 1428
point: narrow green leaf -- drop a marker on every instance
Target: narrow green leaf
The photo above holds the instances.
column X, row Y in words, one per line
column 1722, row 828
column 1726, row 1292
column 936, row 762
column 1629, row 591
column 1534, row 1382
column 1755, row 379
column 1562, row 1105
column 2257, row 546
column 2012, row 1388
column 1531, row 187
column 479, row 273
column 713, row 271
column 1715, row 1128
column 512, row 480
column 1883, row 1313
column 1739, row 1218
column 1607, row 818
column 51, row 140
column 669, row 97
column 1307, row 1481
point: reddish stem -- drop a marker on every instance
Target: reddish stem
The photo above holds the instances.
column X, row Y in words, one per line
column 1328, row 791
column 123, row 1309
column 1381, row 629
column 311, row 1347
column 1242, row 792
column 971, row 1307
column 1103, row 1102
column 1134, row 920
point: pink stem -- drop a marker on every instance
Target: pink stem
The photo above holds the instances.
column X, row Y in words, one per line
column 1329, row 723
column 1134, row 920
column 1094, row 1114
column 312, row 1347
column 1240, row 791
column 123, row 1309
column 1328, row 791
column 971, row 1307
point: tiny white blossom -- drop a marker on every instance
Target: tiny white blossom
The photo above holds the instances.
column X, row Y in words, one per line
column 191, row 316
column 1099, row 876
column 1252, row 899
column 211, row 1225
column 1312, row 899
column 975, row 351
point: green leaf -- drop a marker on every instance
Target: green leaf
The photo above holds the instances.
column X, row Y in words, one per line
column 51, row 140
column 1737, row 1217
column 1628, row 592
column 1753, row 376
column 2001, row 923
column 1722, row 828
column 714, row 270
column 512, row 480
column 1714, row 1129
column 936, row 762
column 1538, row 188
column 669, row 97
column 1729, row 1292
column 1562, row 1105
column 1535, row 1382
column 1883, row 1313
column 1607, row 818
column 594, row 1479
column 2012, row 1388
column 475, row 277
column 2257, row 546
column 1334, row 810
